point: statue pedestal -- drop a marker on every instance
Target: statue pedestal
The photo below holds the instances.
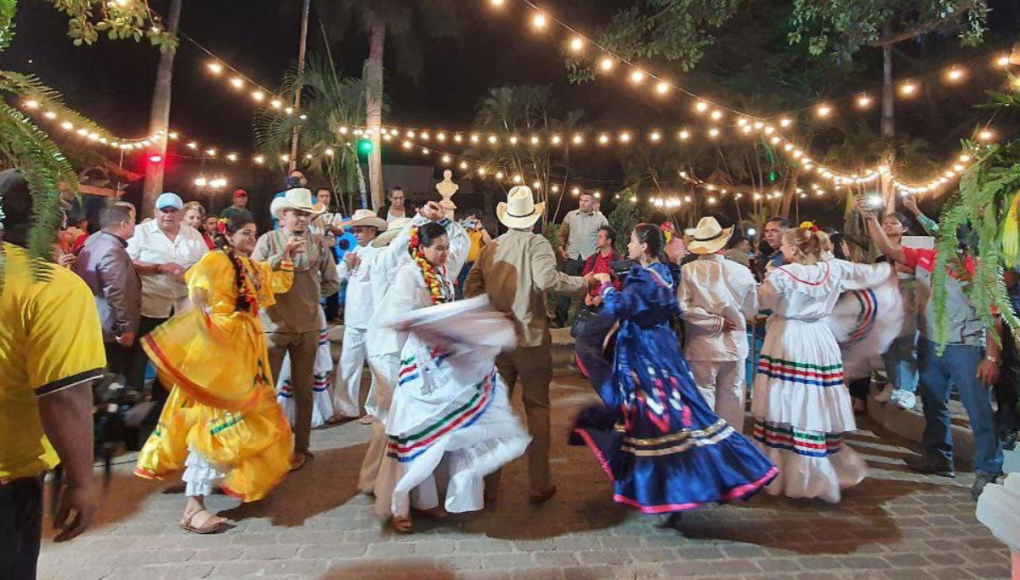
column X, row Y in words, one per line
column 449, row 207
column 447, row 188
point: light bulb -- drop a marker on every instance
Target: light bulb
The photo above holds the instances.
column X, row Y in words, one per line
column 329, row 152
column 577, row 44
column 258, row 96
column 637, row 77
column 863, row 101
column 785, row 123
column 603, row 139
column 701, row 106
column 606, row 64
column 685, row 134
column 655, row 137
column 908, row 89
column 955, row 74
column 662, row 88
column 446, row 159
column 624, row 137
column 716, row 115
column 237, row 82
column 215, row 67
column 824, row 111
column 713, row 132
column 539, row 21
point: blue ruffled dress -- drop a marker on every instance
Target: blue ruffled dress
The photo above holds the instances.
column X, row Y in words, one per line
column 659, row 442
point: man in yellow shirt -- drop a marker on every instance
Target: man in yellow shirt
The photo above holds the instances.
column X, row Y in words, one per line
column 51, row 350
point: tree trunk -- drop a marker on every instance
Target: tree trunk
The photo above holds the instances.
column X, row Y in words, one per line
column 373, row 111
column 159, row 118
column 888, row 127
column 302, row 47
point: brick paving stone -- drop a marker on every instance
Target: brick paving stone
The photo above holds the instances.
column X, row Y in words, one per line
column 895, row 525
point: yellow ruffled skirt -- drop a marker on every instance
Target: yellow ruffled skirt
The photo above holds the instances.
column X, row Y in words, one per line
column 222, row 403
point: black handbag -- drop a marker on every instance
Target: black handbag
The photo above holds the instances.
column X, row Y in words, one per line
column 585, row 315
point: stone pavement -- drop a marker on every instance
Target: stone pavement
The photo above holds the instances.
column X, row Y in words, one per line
column 894, row 526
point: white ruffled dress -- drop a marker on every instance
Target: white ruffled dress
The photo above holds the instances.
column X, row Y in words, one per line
column 450, row 422
column 801, row 405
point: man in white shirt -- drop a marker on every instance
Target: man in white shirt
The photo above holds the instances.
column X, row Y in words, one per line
column 576, row 240
column 716, row 298
column 162, row 251
column 357, row 315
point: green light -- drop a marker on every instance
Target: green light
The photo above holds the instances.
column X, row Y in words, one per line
column 772, row 176
column 365, row 147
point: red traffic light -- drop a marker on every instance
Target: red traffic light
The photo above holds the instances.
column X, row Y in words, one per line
column 155, row 158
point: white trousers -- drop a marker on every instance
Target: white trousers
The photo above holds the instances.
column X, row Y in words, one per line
column 721, row 383
column 347, row 387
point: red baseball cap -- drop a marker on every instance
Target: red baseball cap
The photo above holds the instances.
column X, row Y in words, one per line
column 240, row 193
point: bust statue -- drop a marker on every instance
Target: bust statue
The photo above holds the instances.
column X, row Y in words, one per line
column 447, row 188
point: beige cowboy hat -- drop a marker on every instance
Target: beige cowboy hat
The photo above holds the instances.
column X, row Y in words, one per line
column 709, row 237
column 367, row 217
column 520, row 210
column 395, row 227
column 299, row 199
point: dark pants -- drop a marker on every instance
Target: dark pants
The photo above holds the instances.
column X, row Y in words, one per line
column 21, row 511
column 571, row 268
column 332, row 307
column 139, row 360
column 118, row 358
column 461, row 278
column 1007, row 390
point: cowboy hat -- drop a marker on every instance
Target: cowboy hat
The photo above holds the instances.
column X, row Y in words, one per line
column 395, row 228
column 709, row 237
column 299, row 199
column 520, row 210
column 366, row 217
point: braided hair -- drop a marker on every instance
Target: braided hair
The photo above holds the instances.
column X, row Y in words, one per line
column 246, row 301
column 423, row 237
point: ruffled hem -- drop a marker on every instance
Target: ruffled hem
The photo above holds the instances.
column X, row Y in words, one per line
column 641, row 502
column 828, row 409
column 811, row 475
column 200, row 476
column 999, row 510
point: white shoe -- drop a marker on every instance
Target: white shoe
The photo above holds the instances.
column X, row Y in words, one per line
column 906, row 400
column 884, row 394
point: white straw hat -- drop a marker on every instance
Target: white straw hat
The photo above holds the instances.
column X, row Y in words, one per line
column 520, row 210
column 299, row 199
column 709, row 237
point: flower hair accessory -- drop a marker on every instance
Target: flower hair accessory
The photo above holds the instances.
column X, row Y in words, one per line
column 221, row 226
column 415, row 240
column 810, row 226
column 668, row 231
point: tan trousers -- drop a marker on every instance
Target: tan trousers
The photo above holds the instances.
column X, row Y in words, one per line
column 302, row 348
column 384, row 374
column 533, row 366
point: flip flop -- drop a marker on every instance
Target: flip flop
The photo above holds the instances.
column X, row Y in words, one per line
column 299, row 460
column 366, row 420
column 217, row 528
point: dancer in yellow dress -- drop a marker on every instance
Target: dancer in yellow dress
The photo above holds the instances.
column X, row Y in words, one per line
column 222, row 423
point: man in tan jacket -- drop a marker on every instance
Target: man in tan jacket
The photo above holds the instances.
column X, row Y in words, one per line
column 516, row 270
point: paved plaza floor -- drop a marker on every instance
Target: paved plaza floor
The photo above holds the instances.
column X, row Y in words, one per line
column 894, row 526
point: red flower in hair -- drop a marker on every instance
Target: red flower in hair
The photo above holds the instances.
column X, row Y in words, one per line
column 221, row 226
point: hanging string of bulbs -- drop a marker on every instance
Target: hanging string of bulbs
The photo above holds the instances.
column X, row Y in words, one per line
column 607, row 61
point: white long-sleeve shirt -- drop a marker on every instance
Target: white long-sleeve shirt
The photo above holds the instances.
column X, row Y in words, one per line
column 382, row 339
column 360, row 298
column 712, row 290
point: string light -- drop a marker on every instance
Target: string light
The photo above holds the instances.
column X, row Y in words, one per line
column 539, row 21
column 823, row 111
column 606, row 64
column 863, row 101
column 637, row 77
column 955, row 74
column 577, row 44
column 908, row 89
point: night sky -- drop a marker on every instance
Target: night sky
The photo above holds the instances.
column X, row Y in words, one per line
column 111, row 82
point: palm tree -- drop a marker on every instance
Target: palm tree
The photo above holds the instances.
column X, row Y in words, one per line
column 525, row 111
column 333, row 105
column 28, row 148
column 397, row 21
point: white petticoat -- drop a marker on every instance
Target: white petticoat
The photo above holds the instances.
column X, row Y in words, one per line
column 322, row 408
column 200, row 477
column 865, row 322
